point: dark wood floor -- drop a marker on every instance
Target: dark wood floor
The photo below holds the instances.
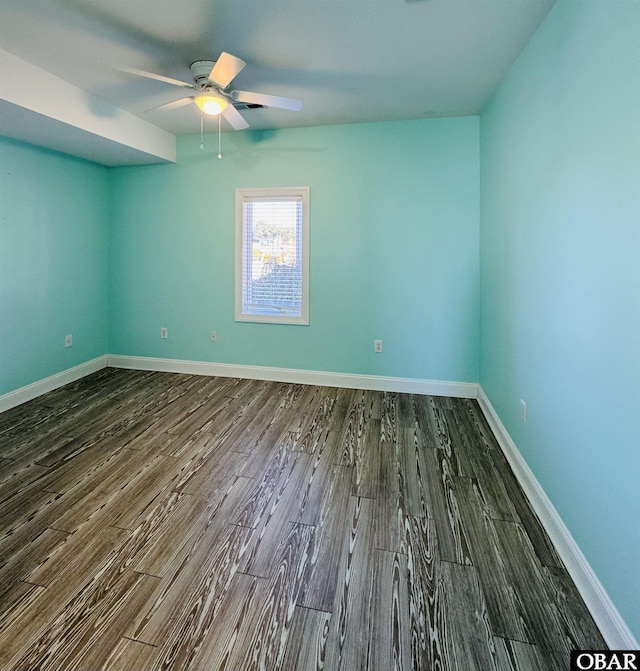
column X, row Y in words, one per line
column 159, row 521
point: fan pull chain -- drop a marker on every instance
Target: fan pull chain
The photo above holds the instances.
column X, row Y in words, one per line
column 201, row 130
column 219, row 136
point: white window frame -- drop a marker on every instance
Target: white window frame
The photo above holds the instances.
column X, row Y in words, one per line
column 242, row 195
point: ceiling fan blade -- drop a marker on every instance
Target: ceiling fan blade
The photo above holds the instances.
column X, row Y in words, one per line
column 234, row 117
column 226, row 68
column 174, row 104
column 267, row 100
column 159, row 78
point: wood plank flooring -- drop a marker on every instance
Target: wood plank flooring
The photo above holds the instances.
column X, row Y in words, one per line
column 159, row 521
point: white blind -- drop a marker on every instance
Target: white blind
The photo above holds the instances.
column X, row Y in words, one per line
column 272, row 255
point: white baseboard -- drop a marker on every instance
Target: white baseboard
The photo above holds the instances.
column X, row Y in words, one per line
column 613, row 628
column 31, row 391
column 321, row 378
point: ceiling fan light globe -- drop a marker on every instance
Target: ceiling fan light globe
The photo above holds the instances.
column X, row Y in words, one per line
column 211, row 105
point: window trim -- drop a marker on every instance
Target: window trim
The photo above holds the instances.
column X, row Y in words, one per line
column 276, row 192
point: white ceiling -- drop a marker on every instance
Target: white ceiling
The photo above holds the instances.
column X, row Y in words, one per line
column 348, row 61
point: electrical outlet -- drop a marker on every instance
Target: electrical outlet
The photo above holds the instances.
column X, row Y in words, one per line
column 214, row 336
column 68, row 341
column 164, row 333
column 377, row 345
column 523, row 412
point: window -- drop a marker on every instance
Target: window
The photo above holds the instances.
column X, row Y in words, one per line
column 272, row 255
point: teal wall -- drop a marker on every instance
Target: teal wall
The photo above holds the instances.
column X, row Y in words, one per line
column 560, row 276
column 393, row 250
column 53, row 263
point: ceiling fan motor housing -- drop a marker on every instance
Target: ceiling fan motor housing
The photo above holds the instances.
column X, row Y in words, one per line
column 201, row 71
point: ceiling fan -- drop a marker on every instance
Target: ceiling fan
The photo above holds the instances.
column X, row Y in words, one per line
column 211, row 80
